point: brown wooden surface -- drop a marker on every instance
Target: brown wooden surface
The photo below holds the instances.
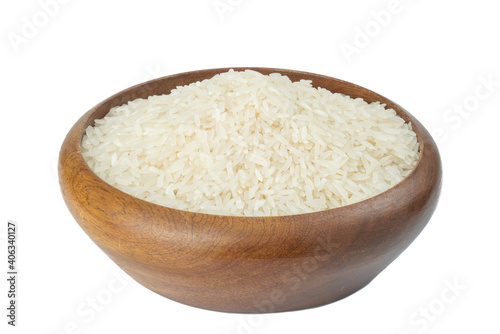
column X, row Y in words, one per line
column 249, row 264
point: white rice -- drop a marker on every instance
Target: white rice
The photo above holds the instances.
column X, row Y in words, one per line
column 247, row 144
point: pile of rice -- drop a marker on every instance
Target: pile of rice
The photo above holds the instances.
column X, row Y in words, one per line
column 248, row 144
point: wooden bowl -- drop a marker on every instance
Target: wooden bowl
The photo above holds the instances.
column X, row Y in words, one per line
column 249, row 264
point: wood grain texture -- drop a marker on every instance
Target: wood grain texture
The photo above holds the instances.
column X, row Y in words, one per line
column 249, row 264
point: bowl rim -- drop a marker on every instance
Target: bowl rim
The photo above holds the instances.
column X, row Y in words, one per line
column 89, row 118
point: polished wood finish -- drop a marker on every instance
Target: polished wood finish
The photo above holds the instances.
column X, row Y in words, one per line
column 249, row 264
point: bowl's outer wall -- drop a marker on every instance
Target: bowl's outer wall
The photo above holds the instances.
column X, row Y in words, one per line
column 249, row 264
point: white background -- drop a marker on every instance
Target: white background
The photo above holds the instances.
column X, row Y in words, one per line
column 430, row 57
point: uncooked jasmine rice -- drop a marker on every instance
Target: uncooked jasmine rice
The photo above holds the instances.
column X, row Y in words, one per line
column 248, row 144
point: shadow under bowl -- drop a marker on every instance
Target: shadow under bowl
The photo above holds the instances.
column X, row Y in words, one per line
column 249, row 264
